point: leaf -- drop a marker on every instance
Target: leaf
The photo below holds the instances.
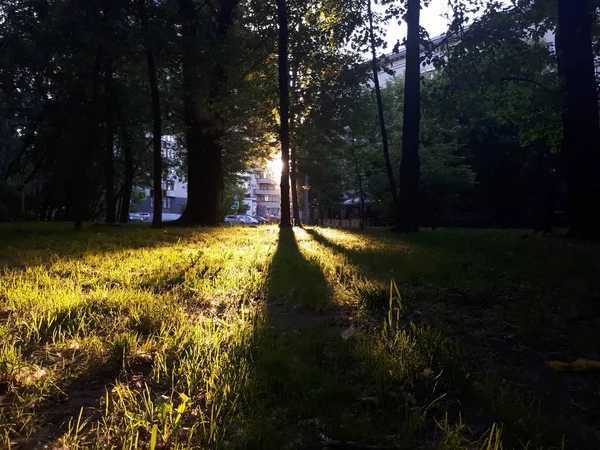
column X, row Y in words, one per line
column 576, row 366
column 153, row 436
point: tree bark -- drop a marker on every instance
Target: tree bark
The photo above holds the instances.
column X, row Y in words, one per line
column 407, row 220
column 581, row 131
column 156, row 118
column 109, row 149
column 284, row 100
column 384, row 137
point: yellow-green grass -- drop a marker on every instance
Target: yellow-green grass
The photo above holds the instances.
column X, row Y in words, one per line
column 245, row 337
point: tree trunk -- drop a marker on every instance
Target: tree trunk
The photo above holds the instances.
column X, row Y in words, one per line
column 110, row 146
column 581, row 132
column 83, row 157
column 360, row 187
column 384, row 137
column 156, row 118
column 293, row 149
column 128, row 183
column 407, row 220
column 204, row 127
column 284, row 100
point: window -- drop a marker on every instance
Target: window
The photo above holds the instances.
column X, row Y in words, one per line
column 166, row 202
column 267, row 198
column 268, row 187
column 167, row 150
column 170, row 185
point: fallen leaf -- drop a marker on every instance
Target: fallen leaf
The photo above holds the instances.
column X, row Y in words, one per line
column 576, row 366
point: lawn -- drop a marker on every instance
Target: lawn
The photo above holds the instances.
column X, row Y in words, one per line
column 248, row 337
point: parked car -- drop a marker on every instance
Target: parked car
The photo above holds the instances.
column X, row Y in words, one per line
column 145, row 216
column 249, row 220
column 232, row 219
column 260, row 220
column 135, row 217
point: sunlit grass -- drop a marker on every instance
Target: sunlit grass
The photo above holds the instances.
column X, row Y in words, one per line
column 170, row 313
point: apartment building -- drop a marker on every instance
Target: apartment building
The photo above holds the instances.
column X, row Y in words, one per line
column 263, row 195
column 397, row 61
column 174, row 191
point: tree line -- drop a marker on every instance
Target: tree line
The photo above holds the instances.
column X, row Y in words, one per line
column 504, row 123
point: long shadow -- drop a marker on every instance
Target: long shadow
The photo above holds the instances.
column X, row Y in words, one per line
column 293, row 280
column 300, row 357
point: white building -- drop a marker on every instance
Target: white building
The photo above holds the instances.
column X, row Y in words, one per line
column 263, row 195
column 174, row 190
column 441, row 43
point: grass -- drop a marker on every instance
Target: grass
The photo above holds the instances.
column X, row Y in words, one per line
column 248, row 337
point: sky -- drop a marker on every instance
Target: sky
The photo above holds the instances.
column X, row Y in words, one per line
column 433, row 19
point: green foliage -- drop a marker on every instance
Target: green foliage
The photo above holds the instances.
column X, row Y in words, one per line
column 233, row 192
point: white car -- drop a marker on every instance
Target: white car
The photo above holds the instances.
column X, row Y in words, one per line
column 232, row 219
column 247, row 220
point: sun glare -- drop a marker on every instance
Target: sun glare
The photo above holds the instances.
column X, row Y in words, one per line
column 275, row 167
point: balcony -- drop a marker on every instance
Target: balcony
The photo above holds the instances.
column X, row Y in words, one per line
column 265, row 191
column 267, row 181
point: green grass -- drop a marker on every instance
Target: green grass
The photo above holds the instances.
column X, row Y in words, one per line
column 245, row 337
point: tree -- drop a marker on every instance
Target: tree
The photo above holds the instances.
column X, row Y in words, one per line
column 407, row 219
column 284, row 127
column 156, row 117
column 204, row 124
column 383, row 130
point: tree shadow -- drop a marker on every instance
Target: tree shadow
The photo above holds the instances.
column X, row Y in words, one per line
column 478, row 289
column 31, row 244
column 290, row 270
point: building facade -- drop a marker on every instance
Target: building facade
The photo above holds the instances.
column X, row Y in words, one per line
column 263, row 195
column 174, row 191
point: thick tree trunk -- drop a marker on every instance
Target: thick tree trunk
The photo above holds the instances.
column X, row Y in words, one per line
column 109, row 149
column 284, row 107
column 156, row 119
column 83, row 157
column 384, row 137
column 204, row 126
column 581, row 132
column 407, row 220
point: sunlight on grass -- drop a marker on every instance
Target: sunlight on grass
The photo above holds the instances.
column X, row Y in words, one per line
column 174, row 317
column 255, row 337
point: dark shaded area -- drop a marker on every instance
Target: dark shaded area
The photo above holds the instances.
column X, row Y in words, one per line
column 510, row 304
column 58, row 240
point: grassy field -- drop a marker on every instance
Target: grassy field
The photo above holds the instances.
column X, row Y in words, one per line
column 248, row 337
